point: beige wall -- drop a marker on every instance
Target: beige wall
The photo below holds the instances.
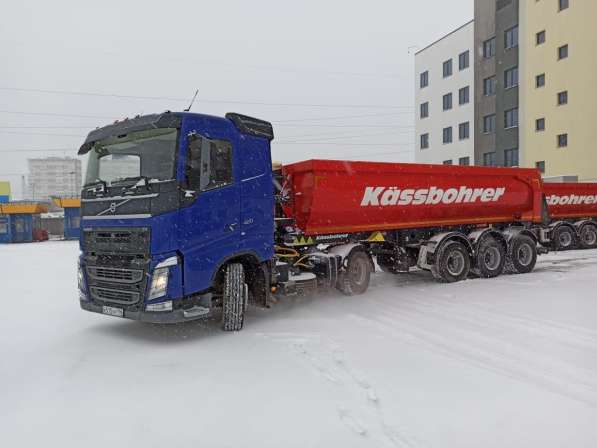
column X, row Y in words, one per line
column 575, row 26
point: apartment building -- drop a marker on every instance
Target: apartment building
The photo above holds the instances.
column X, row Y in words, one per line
column 496, row 69
column 444, row 95
column 53, row 176
column 558, row 97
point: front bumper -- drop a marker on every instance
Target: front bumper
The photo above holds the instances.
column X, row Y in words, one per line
column 168, row 317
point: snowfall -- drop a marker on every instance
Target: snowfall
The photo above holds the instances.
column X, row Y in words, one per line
column 507, row 362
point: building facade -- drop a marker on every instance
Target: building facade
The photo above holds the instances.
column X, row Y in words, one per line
column 497, row 82
column 53, row 176
column 558, row 97
column 444, row 96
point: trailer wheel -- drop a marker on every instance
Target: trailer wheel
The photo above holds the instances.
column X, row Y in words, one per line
column 235, row 298
column 453, row 263
column 564, row 238
column 490, row 258
column 522, row 256
column 354, row 279
column 588, row 236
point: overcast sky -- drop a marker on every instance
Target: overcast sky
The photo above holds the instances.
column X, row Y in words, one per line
column 335, row 77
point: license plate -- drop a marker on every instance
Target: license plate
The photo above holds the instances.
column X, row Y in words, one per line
column 113, row 311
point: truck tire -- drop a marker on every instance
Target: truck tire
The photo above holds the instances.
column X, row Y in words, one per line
column 588, row 236
column 452, row 263
column 235, row 298
column 522, row 255
column 490, row 258
column 354, row 279
column 564, row 238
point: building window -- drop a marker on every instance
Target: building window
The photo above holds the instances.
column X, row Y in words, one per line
column 489, row 48
column 511, row 37
column 489, row 86
column 511, row 157
column 489, row 159
column 447, row 135
column 540, row 124
column 424, row 110
column 463, row 95
column 562, row 140
column 540, row 37
column 447, row 162
column 563, row 98
column 447, row 101
column 540, row 80
column 447, row 68
column 511, row 118
column 563, row 4
column 540, row 166
column 489, row 124
column 563, row 52
column 424, row 141
column 511, row 77
column 464, row 161
column 424, row 79
column 463, row 60
column 464, row 131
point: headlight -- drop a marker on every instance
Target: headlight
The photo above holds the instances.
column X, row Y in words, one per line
column 159, row 283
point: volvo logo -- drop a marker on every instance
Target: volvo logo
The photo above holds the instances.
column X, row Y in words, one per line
column 113, row 207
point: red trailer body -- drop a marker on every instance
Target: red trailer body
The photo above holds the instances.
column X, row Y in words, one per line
column 571, row 200
column 329, row 196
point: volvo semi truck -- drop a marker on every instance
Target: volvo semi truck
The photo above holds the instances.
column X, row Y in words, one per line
column 184, row 217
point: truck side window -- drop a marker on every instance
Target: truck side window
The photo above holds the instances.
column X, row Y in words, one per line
column 209, row 163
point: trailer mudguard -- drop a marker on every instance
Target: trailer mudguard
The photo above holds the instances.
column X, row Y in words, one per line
column 478, row 235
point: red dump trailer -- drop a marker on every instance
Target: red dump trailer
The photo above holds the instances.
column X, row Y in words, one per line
column 573, row 211
column 450, row 220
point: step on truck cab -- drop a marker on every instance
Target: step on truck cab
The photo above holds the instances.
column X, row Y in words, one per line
column 183, row 217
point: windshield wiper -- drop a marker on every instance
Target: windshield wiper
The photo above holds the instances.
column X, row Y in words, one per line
column 126, row 180
column 96, row 182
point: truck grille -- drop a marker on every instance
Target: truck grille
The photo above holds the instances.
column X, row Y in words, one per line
column 114, row 295
column 115, row 275
column 116, row 241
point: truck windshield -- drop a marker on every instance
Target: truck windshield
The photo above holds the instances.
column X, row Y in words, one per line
column 146, row 154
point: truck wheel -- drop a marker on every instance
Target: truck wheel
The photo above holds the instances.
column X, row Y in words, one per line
column 588, row 236
column 490, row 258
column 564, row 238
column 354, row 279
column 235, row 298
column 523, row 255
column 453, row 263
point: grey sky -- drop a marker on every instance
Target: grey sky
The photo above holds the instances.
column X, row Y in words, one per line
column 353, row 55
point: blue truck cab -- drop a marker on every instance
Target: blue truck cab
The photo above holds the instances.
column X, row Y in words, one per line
column 177, row 217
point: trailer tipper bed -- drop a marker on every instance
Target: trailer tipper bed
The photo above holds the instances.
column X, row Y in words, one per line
column 183, row 216
column 573, row 210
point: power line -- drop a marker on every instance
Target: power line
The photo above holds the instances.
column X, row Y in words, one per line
column 345, row 143
column 42, row 133
column 51, row 114
column 338, row 117
column 204, row 100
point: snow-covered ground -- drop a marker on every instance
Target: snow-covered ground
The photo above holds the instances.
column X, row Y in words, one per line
column 508, row 362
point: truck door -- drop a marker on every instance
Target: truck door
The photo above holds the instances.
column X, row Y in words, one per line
column 209, row 225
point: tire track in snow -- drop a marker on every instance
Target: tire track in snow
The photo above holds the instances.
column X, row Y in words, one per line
column 329, row 362
column 463, row 349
